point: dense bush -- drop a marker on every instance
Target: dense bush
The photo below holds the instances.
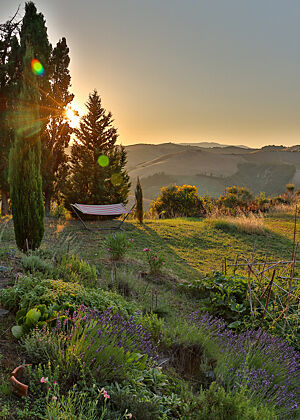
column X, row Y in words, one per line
column 76, row 270
column 179, row 201
column 30, row 292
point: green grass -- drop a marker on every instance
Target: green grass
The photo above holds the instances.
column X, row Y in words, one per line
column 191, row 247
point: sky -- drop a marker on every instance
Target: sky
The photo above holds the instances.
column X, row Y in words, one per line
column 184, row 70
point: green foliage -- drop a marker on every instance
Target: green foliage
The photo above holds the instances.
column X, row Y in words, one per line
column 215, row 403
column 139, row 212
column 59, row 211
column 153, row 324
column 179, row 201
column 74, row 269
column 155, row 261
column 147, row 396
column 223, row 296
column 33, row 263
column 41, row 345
column 30, row 292
column 24, row 165
column 117, row 245
column 235, row 199
column 91, row 183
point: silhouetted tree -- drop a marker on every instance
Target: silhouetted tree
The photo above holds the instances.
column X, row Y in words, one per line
column 97, row 163
column 54, row 96
column 9, row 72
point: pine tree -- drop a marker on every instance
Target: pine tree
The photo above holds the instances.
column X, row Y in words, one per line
column 139, row 201
column 24, row 164
column 91, row 181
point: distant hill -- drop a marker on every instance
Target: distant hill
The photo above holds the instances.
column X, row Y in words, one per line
column 209, row 145
column 212, row 169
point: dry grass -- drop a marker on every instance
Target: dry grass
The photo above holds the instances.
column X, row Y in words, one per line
column 252, row 223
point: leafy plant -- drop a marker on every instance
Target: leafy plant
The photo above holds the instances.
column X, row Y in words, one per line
column 222, row 295
column 74, row 269
column 117, row 245
column 215, row 403
column 155, row 261
column 34, row 263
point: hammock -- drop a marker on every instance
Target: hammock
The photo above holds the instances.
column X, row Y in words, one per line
column 102, row 210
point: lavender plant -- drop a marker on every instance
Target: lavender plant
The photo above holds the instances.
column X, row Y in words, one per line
column 264, row 366
column 110, row 345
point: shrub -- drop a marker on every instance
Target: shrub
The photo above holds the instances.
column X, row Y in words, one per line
column 30, row 292
column 147, row 396
column 263, row 366
column 179, row 201
column 109, row 344
column 235, row 199
column 215, row 403
column 153, row 324
column 74, row 269
column 221, row 295
column 33, row 263
column 117, row 245
column 59, row 211
column 155, row 261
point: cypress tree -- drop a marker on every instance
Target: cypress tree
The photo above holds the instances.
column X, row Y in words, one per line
column 93, row 181
column 139, row 201
column 24, row 164
column 54, row 96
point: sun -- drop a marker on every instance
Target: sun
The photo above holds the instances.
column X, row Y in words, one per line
column 72, row 115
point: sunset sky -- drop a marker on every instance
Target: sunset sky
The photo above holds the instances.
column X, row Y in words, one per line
column 184, row 70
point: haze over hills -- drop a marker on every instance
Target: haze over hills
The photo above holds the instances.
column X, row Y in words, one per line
column 212, row 169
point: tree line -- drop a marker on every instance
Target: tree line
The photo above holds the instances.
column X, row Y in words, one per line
column 35, row 133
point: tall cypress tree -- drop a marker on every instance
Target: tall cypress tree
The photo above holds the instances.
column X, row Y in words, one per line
column 139, row 201
column 54, row 96
column 93, row 181
column 24, row 164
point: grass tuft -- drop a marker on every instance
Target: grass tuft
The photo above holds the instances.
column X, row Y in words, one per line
column 252, row 224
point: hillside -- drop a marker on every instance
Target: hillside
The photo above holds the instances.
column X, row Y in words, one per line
column 211, row 170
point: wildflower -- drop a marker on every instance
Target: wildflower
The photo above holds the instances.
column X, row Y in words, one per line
column 54, row 398
column 131, row 240
column 146, row 250
column 54, row 382
column 44, row 380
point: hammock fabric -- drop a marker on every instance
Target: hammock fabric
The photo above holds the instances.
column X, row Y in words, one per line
column 102, row 210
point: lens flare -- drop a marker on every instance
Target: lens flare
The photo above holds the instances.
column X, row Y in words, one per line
column 37, row 67
column 116, row 179
column 103, row 161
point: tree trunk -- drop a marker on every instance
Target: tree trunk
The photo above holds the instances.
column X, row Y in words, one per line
column 4, row 204
column 47, row 204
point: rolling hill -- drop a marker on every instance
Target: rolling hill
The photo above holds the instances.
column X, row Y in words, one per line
column 212, row 169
